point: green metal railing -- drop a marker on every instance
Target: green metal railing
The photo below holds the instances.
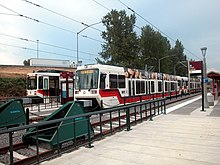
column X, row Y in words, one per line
column 144, row 109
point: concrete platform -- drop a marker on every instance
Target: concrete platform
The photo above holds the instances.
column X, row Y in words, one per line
column 185, row 136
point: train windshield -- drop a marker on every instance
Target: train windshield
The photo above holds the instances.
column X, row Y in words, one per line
column 87, row 79
column 32, row 82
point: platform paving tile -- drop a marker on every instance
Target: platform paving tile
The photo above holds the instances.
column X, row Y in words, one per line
column 172, row 139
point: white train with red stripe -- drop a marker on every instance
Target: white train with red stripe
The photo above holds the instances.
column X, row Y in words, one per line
column 108, row 86
column 49, row 83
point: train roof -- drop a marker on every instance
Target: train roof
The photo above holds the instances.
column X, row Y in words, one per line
column 122, row 70
column 102, row 67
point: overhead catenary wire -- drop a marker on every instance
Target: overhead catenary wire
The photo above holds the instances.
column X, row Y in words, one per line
column 43, row 51
column 155, row 27
column 62, row 15
column 8, row 14
column 129, row 8
column 101, row 5
column 47, row 44
column 39, row 21
column 36, row 20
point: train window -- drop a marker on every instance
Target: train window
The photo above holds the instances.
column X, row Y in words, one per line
column 191, row 85
column 31, row 83
column 179, row 83
column 121, row 81
column 87, row 79
column 46, row 85
column 143, row 87
column 152, row 87
column 133, row 88
column 172, row 86
column 159, row 86
column 102, row 81
column 40, row 82
column 146, row 85
column 166, row 86
column 175, row 86
column 129, row 87
column 138, row 87
column 113, row 80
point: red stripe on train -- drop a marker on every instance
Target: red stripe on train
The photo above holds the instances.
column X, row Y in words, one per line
column 115, row 93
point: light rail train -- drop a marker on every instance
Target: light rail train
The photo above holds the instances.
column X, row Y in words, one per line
column 108, row 86
column 49, row 83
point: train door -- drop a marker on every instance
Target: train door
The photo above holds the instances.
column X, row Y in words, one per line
column 54, row 86
column 46, row 85
column 67, row 90
column 102, row 81
column 67, row 87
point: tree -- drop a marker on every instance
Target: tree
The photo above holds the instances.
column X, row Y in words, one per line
column 153, row 46
column 178, row 50
column 26, row 62
column 121, row 46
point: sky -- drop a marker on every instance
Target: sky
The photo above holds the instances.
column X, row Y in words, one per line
column 48, row 29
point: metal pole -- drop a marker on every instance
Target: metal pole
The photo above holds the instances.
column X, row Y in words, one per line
column 77, row 41
column 161, row 59
column 77, row 48
column 206, row 104
column 202, row 86
column 188, row 72
column 37, row 48
column 205, row 86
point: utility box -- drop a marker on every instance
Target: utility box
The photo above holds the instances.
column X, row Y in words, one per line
column 210, row 99
column 12, row 114
column 63, row 131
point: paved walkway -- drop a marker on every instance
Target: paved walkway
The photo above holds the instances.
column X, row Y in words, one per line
column 185, row 136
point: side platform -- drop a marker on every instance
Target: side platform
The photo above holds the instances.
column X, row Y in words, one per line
column 186, row 135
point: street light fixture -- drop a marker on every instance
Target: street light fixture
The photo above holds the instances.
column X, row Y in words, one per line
column 179, row 62
column 205, row 100
column 77, row 42
column 162, row 59
column 147, row 59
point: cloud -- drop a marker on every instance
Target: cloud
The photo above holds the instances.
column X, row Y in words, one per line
column 195, row 23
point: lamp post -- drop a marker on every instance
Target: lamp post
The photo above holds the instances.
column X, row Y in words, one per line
column 205, row 100
column 147, row 59
column 77, row 41
column 162, row 59
column 37, row 48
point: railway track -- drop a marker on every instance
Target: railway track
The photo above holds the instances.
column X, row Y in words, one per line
column 107, row 124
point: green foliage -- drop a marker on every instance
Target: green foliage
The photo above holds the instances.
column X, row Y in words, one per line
column 124, row 48
column 12, row 87
column 153, row 46
column 26, row 62
column 179, row 62
column 121, row 47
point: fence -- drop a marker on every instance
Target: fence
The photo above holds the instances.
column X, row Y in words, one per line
column 130, row 113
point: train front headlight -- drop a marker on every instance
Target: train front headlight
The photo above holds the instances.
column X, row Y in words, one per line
column 93, row 91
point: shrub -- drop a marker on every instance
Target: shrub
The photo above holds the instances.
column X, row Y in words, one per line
column 12, row 87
